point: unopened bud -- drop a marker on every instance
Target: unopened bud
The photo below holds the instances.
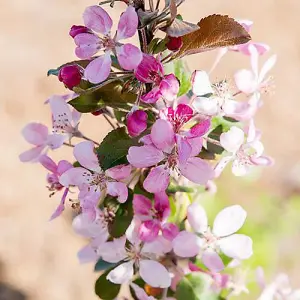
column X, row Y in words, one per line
column 174, row 43
column 70, row 75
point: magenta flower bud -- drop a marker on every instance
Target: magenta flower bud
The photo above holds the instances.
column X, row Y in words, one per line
column 70, row 75
column 136, row 122
column 98, row 112
column 77, row 29
column 174, row 43
column 150, row 70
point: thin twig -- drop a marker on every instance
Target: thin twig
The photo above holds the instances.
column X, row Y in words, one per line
column 143, row 40
column 109, row 121
column 69, row 145
column 88, row 139
column 164, row 294
column 151, row 4
column 237, row 93
column 157, row 4
column 212, row 141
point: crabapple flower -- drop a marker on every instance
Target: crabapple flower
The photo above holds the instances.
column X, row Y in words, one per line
column 154, row 217
column 70, row 75
column 136, row 122
column 64, row 121
column 91, row 180
column 53, row 179
column 177, row 155
column 209, row 242
column 253, row 82
column 88, row 43
column 217, row 100
column 244, row 154
column 279, row 289
column 151, row 70
column 37, row 134
column 135, row 254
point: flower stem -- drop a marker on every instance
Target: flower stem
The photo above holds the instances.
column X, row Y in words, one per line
column 212, row 141
column 109, row 121
column 88, row 139
column 157, row 4
column 69, row 145
column 164, row 294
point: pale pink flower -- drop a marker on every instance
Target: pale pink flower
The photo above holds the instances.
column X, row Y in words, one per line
column 94, row 227
column 137, row 255
column 151, row 70
column 244, row 154
column 88, row 43
column 136, row 122
column 279, row 289
column 91, row 179
column 175, row 152
column 53, row 179
column 37, row 134
column 221, row 237
column 142, row 295
column 217, row 99
column 154, row 217
column 64, row 121
column 253, row 82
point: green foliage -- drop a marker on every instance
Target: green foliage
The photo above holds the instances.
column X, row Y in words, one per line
column 215, row 135
column 157, row 45
column 102, row 265
column 105, row 289
column 107, row 94
column 195, row 286
column 114, row 148
column 123, row 217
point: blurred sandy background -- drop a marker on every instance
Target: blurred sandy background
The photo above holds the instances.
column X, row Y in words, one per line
column 38, row 258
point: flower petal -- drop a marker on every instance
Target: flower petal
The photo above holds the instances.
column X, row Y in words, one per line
column 140, row 293
column 129, row 56
column 35, row 133
column 245, row 81
column 97, row 19
column 237, row 246
column 187, row 244
column 212, row 261
column 155, row 274
column 240, row 168
column 84, row 153
column 201, row 83
column 169, row 87
column 162, row 135
column 87, row 255
column 128, row 24
column 119, row 172
column 121, row 274
column 159, row 246
column 200, row 129
column 152, row 96
column 74, row 176
column 113, row 251
column 63, row 166
column 223, row 162
column 232, row 140
column 48, row 163
column 98, row 69
column 32, row 154
column 157, row 180
column 170, row 231
column 61, row 207
column 136, row 122
column 118, row 189
column 206, row 106
column 149, row 230
column 268, row 65
column 144, row 156
column 141, row 205
column 184, row 148
column 197, row 217
column 197, row 170
column 88, row 44
column 229, row 220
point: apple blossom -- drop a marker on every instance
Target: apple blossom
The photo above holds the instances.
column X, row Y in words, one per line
column 88, row 43
column 221, row 237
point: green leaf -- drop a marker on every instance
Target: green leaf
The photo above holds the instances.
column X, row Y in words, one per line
column 181, row 71
column 105, row 289
column 172, row 189
column 102, row 265
column 123, row 218
column 193, row 286
column 114, row 148
column 215, row 135
column 109, row 94
column 54, row 72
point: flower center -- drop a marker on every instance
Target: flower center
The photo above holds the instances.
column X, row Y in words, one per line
column 108, row 43
column 210, row 240
column 96, row 180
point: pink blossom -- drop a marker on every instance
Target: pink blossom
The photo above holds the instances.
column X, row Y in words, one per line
column 88, row 43
column 175, row 152
column 136, row 122
column 136, row 254
column 53, row 179
column 217, row 100
column 253, row 82
column 64, row 121
column 220, row 238
column 151, row 70
column 142, row 295
column 154, row 217
column 37, row 134
column 77, row 29
column 244, row 154
column 91, row 179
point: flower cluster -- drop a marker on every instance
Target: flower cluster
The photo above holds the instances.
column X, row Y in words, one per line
column 171, row 133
